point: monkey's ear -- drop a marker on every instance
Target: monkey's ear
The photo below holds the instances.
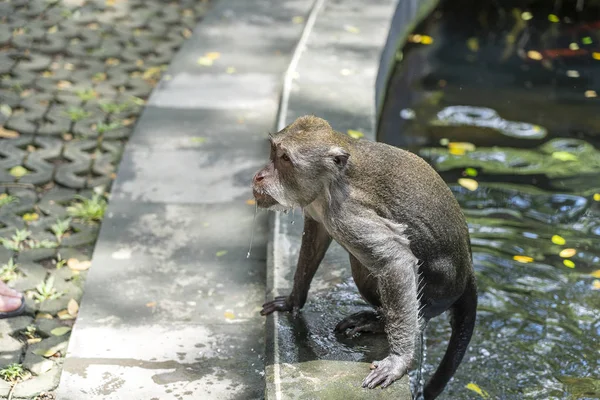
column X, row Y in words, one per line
column 339, row 156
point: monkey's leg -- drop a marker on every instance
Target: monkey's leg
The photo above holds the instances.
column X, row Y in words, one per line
column 462, row 319
column 398, row 292
column 363, row 321
column 315, row 242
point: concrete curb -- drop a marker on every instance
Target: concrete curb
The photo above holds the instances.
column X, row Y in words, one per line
column 335, row 79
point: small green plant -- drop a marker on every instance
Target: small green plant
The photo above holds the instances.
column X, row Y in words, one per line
column 15, row 243
column 87, row 94
column 42, row 244
column 60, row 228
column 101, row 127
column 88, row 210
column 12, row 372
column 114, row 107
column 77, row 114
column 7, row 199
column 60, row 263
column 8, row 271
column 46, row 291
column 30, row 332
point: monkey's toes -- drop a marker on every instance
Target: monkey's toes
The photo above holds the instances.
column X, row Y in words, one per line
column 279, row 303
column 364, row 321
column 385, row 372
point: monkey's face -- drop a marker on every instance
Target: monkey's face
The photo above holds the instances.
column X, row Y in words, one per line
column 297, row 173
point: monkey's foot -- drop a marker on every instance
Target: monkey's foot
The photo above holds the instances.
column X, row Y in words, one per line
column 385, row 372
column 364, row 321
column 279, row 303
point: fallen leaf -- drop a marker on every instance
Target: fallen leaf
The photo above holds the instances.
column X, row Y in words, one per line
column 466, row 146
column 77, row 265
column 468, row 183
column 151, row 304
column 559, row 240
column 534, row 55
column 457, row 151
column 152, row 72
column 8, row 134
column 471, row 172
column 523, row 259
column 61, row 330
column 474, row 387
column 229, row 315
column 64, row 314
column 6, row 110
column 298, row 19
column 28, row 217
column 251, row 202
column 198, row 139
column 213, row 55
column 569, row 263
column 221, row 253
column 564, row 156
column 553, row 18
column 596, row 56
column 596, row 196
column 73, row 308
column 355, row 134
column 43, row 316
column 444, row 142
column 426, row 39
column 18, row 171
column 230, row 70
column 205, row 61
column 473, row 44
column 351, row 29
column 596, row 284
column 566, row 253
column 590, row 94
column 596, row 273
column 34, row 340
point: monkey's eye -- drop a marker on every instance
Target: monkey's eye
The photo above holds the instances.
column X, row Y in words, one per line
column 285, row 157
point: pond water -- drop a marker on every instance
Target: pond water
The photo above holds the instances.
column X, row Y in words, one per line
column 505, row 103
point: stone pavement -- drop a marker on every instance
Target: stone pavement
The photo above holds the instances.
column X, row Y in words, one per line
column 75, row 75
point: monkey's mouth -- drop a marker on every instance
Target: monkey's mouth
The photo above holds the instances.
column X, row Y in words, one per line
column 263, row 200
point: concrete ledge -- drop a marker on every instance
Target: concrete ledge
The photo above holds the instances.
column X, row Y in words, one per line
column 334, row 79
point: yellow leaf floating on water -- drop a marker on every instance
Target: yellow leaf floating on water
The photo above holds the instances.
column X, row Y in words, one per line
column 473, row 44
column 298, row 19
column 566, row 253
column 351, row 29
column 596, row 56
column 596, row 273
column 471, row 172
column 569, row 263
column 355, row 134
column 205, row 61
column 553, row 18
column 559, row 240
column 230, row 70
column 461, row 145
column 596, row 196
column 475, row 387
column 564, row 156
column 596, row 284
column 457, row 151
column 523, row 259
column 468, row 183
column 229, row 315
column 213, row 55
column 251, row 202
column 221, row 253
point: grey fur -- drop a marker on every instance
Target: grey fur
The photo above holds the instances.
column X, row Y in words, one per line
column 407, row 237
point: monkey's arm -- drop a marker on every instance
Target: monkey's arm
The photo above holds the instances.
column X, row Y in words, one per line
column 315, row 242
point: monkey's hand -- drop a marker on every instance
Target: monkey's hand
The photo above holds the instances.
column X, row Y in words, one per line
column 280, row 303
column 386, row 371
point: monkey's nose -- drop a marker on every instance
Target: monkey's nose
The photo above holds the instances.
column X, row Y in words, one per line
column 259, row 177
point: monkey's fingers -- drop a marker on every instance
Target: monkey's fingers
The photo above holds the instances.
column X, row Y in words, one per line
column 280, row 303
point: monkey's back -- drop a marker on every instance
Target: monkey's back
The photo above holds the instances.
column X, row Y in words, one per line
column 407, row 189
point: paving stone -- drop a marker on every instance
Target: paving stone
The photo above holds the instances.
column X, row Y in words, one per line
column 38, row 365
column 15, row 324
column 11, row 350
column 39, row 384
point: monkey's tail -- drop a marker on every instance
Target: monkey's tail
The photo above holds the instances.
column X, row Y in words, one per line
column 462, row 321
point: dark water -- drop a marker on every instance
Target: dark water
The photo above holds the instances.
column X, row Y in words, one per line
column 517, row 85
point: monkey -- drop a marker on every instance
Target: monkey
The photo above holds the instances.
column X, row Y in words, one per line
column 406, row 235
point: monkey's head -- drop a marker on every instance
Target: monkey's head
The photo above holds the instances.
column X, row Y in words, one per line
column 306, row 157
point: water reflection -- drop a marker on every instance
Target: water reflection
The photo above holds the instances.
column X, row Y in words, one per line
column 507, row 97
